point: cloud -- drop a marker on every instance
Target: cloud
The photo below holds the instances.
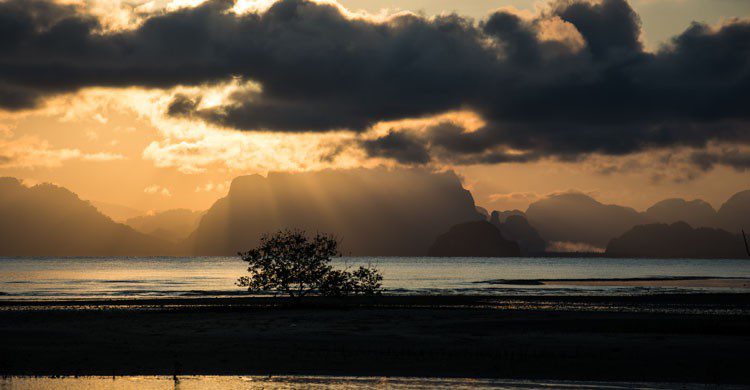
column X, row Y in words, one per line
column 29, row 152
column 156, row 189
column 734, row 157
column 515, row 196
column 220, row 187
column 102, row 156
column 5, row 131
column 570, row 81
column 257, row 153
column 403, row 147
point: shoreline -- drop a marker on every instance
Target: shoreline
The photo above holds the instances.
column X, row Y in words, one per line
column 580, row 338
column 739, row 299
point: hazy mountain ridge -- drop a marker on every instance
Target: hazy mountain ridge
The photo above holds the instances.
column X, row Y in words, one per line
column 116, row 212
column 515, row 227
column 47, row 220
column 173, row 225
column 373, row 212
column 695, row 212
column 473, row 239
column 576, row 217
column 678, row 240
column 734, row 214
column 579, row 218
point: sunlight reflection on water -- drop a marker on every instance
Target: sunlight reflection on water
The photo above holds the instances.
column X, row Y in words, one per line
column 157, row 277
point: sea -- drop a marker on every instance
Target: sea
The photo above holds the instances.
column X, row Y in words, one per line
column 49, row 278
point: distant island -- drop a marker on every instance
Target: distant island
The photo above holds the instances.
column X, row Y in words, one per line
column 473, row 239
column 678, row 240
column 46, row 220
column 374, row 212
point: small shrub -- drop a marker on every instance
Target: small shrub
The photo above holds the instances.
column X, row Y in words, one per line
column 337, row 284
column 367, row 281
column 291, row 263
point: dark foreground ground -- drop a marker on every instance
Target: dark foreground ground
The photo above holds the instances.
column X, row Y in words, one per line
column 670, row 338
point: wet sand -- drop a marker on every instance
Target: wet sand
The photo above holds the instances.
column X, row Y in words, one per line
column 699, row 338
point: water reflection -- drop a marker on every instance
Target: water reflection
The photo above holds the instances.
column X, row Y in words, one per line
column 133, row 277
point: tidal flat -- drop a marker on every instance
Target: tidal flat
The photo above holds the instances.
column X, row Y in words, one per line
column 685, row 338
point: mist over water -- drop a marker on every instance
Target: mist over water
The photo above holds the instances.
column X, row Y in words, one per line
column 157, row 277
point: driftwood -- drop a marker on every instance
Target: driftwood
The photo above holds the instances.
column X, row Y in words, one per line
column 747, row 249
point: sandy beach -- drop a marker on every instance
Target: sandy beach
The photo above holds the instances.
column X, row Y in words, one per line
column 699, row 338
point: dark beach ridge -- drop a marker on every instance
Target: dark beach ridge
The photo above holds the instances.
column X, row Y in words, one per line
column 687, row 338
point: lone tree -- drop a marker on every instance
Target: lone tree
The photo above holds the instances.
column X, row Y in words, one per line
column 291, row 263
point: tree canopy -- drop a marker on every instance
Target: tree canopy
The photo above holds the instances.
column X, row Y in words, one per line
column 292, row 263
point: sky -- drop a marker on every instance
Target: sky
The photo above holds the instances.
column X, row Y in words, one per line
column 160, row 104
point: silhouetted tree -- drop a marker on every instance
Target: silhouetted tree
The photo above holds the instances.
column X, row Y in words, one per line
column 337, row 283
column 364, row 281
column 290, row 262
column 747, row 248
column 367, row 281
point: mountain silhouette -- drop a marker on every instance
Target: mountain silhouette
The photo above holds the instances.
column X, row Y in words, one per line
column 171, row 225
column 372, row 211
column 117, row 212
column 516, row 228
column 47, row 220
column 734, row 214
column 695, row 212
column 473, row 239
column 576, row 217
column 678, row 240
column 483, row 211
column 498, row 217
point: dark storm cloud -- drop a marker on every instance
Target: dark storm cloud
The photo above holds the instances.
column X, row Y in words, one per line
column 445, row 141
column 320, row 71
column 404, row 147
column 611, row 28
column 706, row 160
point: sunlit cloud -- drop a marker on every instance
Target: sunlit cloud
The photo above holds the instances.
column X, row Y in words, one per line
column 158, row 190
column 555, row 29
column 32, row 152
column 102, row 156
column 117, row 15
column 5, row 131
column 221, row 187
column 192, row 147
column 515, row 196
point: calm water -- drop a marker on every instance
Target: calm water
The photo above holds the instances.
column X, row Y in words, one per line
column 311, row 382
column 47, row 278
